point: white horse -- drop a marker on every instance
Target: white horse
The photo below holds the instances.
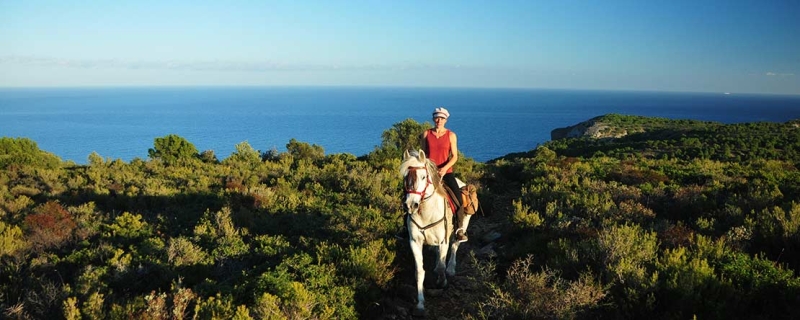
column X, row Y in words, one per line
column 429, row 219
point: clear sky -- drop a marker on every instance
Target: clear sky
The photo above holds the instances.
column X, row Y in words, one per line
column 698, row 45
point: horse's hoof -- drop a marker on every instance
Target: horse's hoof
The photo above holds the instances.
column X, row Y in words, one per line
column 418, row 312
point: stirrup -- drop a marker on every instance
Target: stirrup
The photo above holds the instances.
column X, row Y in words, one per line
column 461, row 235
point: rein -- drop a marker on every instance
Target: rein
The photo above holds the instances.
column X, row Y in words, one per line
column 428, row 182
column 423, row 194
column 422, row 229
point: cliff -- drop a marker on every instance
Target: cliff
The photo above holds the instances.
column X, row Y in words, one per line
column 595, row 128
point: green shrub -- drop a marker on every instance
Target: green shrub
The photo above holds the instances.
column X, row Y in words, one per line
column 402, row 136
column 245, row 153
column 129, row 226
column 71, row 311
column 172, row 149
column 541, row 295
column 304, row 151
column 523, row 217
column 372, row 262
column 268, row 307
column 625, row 252
column 182, row 252
column 11, row 239
column 271, row 246
column 93, row 308
column 689, row 286
column 24, row 151
column 218, row 307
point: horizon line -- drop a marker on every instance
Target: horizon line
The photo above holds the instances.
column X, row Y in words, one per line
column 351, row 86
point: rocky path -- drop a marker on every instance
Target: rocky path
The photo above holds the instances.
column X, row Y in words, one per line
column 458, row 298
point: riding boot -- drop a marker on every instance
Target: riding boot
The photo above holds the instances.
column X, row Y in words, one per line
column 461, row 234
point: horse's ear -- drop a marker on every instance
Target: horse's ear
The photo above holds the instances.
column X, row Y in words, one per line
column 406, row 155
column 421, row 155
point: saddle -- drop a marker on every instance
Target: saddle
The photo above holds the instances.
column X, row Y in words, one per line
column 468, row 199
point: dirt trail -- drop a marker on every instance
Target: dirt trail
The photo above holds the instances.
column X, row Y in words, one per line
column 450, row 302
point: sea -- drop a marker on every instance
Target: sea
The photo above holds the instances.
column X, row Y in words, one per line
column 122, row 123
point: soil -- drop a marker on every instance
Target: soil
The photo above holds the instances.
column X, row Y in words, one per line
column 458, row 299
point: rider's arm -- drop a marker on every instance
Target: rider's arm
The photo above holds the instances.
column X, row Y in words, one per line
column 453, row 152
column 424, row 142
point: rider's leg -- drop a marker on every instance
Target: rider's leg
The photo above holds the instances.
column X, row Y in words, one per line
column 450, row 180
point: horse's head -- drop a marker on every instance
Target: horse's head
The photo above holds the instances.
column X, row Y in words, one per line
column 419, row 176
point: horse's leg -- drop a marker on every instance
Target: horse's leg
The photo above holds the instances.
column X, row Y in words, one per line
column 441, row 280
column 451, row 264
column 416, row 249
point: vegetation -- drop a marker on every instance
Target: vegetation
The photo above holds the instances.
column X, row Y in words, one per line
column 678, row 219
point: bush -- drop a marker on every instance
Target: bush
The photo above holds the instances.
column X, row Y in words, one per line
column 625, row 251
column 182, row 252
column 24, row 151
column 51, row 226
column 71, row 311
column 402, row 136
column 129, row 226
column 11, row 239
column 372, row 262
column 172, row 149
column 523, row 217
column 304, row 151
column 541, row 295
column 245, row 153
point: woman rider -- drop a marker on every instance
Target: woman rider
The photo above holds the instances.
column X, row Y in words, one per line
column 441, row 146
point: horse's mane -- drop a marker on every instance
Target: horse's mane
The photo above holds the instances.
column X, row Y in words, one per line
column 433, row 171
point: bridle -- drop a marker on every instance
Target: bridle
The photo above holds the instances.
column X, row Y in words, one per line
column 422, row 195
column 428, row 183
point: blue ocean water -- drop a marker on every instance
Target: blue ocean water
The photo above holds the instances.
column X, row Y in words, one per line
column 122, row 123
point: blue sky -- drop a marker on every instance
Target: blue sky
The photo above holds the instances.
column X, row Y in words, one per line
column 706, row 46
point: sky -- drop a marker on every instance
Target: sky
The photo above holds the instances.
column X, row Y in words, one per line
column 698, row 46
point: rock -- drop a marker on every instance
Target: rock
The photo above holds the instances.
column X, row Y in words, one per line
column 402, row 311
column 590, row 128
column 491, row 236
column 487, row 252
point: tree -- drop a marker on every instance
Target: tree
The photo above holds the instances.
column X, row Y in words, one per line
column 404, row 135
column 95, row 159
column 172, row 148
column 24, row 151
column 302, row 150
column 208, row 156
column 245, row 153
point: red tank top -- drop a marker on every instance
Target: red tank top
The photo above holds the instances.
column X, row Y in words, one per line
column 439, row 148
